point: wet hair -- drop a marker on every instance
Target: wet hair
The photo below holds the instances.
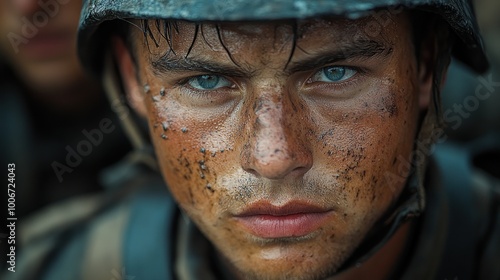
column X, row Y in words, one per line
column 424, row 25
column 167, row 28
column 429, row 28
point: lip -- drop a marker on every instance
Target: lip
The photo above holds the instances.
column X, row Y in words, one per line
column 47, row 44
column 294, row 219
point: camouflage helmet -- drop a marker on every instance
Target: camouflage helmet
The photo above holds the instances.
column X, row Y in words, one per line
column 458, row 13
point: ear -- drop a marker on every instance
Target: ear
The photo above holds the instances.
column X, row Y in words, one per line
column 129, row 77
column 425, row 74
column 426, row 71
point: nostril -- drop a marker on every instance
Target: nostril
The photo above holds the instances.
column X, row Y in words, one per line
column 252, row 171
column 301, row 170
column 277, row 167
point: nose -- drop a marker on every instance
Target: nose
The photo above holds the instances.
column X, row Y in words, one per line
column 275, row 146
column 24, row 7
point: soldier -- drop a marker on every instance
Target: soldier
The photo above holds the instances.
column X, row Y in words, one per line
column 48, row 104
column 50, row 101
column 294, row 137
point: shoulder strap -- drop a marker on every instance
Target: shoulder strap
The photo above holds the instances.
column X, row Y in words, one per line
column 148, row 242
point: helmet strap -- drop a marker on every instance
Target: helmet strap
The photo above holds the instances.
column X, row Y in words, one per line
column 112, row 85
column 412, row 201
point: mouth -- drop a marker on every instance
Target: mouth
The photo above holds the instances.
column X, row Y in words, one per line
column 294, row 219
column 48, row 44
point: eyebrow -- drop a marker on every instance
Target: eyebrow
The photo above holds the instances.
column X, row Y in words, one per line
column 186, row 64
column 361, row 48
column 356, row 49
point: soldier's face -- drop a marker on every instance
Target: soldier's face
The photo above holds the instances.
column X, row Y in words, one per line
column 282, row 160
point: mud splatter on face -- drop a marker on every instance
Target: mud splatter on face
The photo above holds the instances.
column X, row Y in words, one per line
column 147, row 88
column 270, row 136
column 388, row 106
column 165, row 126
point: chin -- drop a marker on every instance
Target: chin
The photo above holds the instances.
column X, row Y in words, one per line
column 302, row 271
column 308, row 261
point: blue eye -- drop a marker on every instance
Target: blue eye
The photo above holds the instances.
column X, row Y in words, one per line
column 332, row 74
column 208, row 82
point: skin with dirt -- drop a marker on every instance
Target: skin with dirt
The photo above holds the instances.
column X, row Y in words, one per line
column 273, row 127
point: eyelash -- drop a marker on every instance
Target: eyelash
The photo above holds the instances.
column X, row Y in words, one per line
column 347, row 68
column 308, row 84
column 183, row 84
column 192, row 92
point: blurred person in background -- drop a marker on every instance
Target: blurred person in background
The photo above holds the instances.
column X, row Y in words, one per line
column 50, row 109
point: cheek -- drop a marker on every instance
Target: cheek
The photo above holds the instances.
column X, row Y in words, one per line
column 360, row 144
column 191, row 153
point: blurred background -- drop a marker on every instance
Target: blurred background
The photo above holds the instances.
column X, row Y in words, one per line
column 471, row 102
column 472, row 98
column 56, row 124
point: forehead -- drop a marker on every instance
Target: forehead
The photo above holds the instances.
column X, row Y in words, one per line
column 268, row 38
